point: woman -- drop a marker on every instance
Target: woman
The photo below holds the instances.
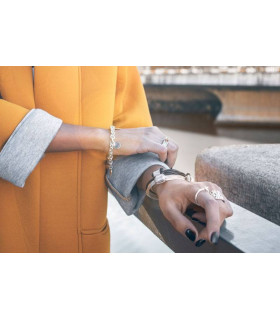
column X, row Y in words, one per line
column 54, row 141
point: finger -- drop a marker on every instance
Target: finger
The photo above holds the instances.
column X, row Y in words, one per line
column 172, row 151
column 202, row 237
column 200, row 216
column 159, row 149
column 225, row 206
column 228, row 208
column 197, row 208
column 192, row 208
column 212, row 212
column 180, row 222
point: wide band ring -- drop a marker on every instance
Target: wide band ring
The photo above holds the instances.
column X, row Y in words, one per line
column 165, row 142
column 197, row 193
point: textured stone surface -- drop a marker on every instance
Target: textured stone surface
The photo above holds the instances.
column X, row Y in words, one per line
column 248, row 174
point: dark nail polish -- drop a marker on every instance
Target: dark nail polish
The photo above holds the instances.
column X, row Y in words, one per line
column 200, row 243
column 194, row 219
column 190, row 212
column 190, row 234
column 202, row 223
column 214, row 237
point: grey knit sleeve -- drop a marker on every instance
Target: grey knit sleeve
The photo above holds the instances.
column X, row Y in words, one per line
column 27, row 145
column 126, row 172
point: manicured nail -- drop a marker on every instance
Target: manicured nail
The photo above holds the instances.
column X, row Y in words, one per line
column 214, row 237
column 190, row 234
column 190, row 211
column 194, row 219
column 200, row 243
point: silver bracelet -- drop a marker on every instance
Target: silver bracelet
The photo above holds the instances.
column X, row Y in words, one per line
column 113, row 145
column 159, row 180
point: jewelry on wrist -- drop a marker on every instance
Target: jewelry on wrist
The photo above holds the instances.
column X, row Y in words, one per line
column 167, row 172
column 159, row 180
column 163, row 175
column 113, row 145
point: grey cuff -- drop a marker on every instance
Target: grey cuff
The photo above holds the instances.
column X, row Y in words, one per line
column 126, row 172
column 26, row 145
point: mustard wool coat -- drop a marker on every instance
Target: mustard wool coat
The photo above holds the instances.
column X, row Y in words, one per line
column 63, row 205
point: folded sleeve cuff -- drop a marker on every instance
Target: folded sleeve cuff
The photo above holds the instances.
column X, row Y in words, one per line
column 27, row 145
column 126, row 172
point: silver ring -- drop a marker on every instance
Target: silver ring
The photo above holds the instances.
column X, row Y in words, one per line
column 217, row 195
column 197, row 193
column 165, row 142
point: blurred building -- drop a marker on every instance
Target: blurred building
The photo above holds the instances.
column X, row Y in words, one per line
column 232, row 95
column 210, row 69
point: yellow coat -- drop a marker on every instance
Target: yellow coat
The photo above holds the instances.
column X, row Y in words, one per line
column 63, row 205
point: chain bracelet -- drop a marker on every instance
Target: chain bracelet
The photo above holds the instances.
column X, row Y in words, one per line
column 113, row 145
column 111, row 148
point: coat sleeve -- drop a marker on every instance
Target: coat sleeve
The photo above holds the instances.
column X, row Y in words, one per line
column 132, row 111
column 24, row 136
column 131, row 106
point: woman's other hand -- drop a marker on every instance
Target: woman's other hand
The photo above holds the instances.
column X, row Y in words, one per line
column 147, row 139
column 135, row 140
column 176, row 196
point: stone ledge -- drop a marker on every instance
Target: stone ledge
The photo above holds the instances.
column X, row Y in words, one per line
column 243, row 232
column 248, row 174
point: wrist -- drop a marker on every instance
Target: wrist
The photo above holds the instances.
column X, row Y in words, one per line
column 162, row 188
column 158, row 188
column 100, row 139
column 147, row 176
column 161, row 177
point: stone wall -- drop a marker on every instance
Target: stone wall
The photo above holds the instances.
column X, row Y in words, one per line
column 248, row 174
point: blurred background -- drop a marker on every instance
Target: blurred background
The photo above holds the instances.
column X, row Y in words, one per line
column 200, row 107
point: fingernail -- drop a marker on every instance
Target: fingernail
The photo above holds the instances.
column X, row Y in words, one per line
column 214, row 237
column 190, row 234
column 190, row 211
column 194, row 219
column 200, row 243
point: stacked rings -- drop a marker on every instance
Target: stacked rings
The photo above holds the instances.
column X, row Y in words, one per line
column 216, row 194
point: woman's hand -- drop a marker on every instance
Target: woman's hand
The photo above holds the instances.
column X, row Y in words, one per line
column 176, row 196
column 147, row 139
